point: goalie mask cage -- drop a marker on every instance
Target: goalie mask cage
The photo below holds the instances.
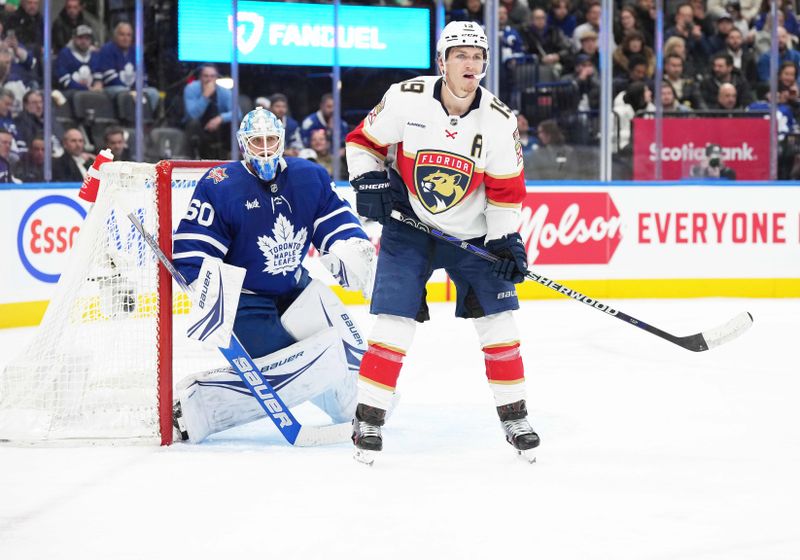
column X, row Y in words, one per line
column 100, row 365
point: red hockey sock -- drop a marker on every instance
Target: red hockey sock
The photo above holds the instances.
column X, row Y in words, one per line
column 504, row 364
column 381, row 366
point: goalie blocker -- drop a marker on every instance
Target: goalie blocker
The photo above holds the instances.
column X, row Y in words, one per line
column 321, row 367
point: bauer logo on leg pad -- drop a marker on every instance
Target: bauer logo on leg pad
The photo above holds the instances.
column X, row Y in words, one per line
column 215, row 300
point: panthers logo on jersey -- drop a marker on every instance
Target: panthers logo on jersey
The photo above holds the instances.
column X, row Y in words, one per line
column 441, row 179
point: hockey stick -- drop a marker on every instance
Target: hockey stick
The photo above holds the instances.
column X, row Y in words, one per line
column 251, row 375
column 694, row 342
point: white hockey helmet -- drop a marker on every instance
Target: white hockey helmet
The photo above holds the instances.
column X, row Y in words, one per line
column 461, row 34
column 261, row 137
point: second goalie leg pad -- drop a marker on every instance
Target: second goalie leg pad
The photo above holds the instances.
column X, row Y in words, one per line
column 217, row 400
column 317, row 308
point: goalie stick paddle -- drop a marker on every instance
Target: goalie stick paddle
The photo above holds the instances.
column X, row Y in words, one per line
column 695, row 342
column 242, row 363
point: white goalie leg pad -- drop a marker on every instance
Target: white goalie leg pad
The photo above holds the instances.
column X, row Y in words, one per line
column 217, row 400
column 318, row 308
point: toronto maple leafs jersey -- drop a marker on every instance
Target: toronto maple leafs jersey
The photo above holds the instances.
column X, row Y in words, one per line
column 265, row 228
column 462, row 173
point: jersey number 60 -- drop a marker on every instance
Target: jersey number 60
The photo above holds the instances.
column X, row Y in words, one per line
column 202, row 211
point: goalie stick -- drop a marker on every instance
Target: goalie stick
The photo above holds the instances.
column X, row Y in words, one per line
column 241, row 361
column 694, row 342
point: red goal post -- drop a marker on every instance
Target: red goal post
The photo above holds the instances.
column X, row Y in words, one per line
column 101, row 365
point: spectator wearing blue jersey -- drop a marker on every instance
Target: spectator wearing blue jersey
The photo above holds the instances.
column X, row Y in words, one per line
column 209, row 108
column 560, row 15
column 785, row 52
column 511, row 52
column 323, row 118
column 785, row 117
column 77, row 62
column 116, row 66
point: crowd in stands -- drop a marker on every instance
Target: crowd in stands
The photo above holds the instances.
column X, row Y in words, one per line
column 716, row 58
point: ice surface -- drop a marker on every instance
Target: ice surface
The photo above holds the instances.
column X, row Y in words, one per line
column 648, row 452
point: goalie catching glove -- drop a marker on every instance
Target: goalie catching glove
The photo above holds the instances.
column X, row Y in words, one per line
column 352, row 262
column 373, row 199
column 513, row 260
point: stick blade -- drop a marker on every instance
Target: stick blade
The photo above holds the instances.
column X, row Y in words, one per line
column 718, row 335
column 730, row 330
column 311, row 436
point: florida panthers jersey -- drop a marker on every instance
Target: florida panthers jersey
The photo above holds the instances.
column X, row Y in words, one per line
column 458, row 171
column 265, row 228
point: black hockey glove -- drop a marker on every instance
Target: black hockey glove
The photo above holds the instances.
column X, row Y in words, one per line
column 373, row 199
column 513, row 263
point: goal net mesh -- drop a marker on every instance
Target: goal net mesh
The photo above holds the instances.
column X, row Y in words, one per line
column 93, row 367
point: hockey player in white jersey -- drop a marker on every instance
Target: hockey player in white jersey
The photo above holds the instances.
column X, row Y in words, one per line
column 457, row 167
column 261, row 214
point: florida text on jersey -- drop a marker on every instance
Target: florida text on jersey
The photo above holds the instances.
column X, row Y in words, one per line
column 452, row 166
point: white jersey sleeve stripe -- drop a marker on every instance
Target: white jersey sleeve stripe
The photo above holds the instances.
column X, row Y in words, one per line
column 193, row 254
column 200, row 237
column 331, row 215
column 344, row 227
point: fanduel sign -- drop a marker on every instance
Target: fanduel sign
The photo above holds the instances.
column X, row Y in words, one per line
column 304, row 34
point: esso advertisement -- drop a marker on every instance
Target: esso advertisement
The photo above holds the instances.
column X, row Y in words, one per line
column 744, row 147
column 570, row 227
column 47, row 232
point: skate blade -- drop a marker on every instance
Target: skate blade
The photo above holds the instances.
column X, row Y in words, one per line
column 364, row 456
column 528, row 455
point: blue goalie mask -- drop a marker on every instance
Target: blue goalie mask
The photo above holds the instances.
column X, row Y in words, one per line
column 260, row 139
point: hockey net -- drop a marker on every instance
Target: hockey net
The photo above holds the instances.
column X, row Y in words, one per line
column 100, row 365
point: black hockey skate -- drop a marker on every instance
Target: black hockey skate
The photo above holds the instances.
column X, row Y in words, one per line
column 367, row 433
column 514, row 419
column 177, row 421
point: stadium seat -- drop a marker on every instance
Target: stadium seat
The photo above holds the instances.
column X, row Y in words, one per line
column 95, row 111
column 63, row 115
column 126, row 109
column 167, row 143
column 245, row 104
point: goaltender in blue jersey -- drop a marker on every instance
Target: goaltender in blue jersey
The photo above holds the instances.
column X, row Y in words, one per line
column 262, row 214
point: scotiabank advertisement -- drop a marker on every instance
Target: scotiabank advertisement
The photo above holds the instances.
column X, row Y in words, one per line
column 744, row 145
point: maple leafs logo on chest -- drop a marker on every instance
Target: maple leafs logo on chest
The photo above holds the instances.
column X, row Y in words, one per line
column 284, row 251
